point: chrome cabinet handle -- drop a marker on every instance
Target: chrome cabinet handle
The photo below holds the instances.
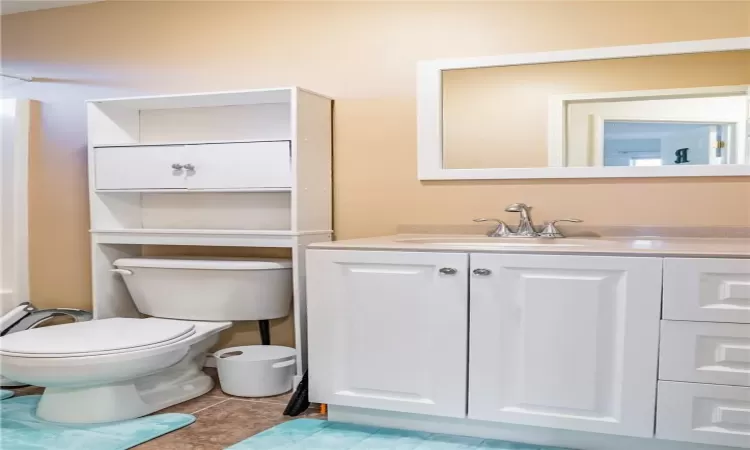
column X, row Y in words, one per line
column 482, row 272
column 448, row 271
column 177, row 166
column 189, row 167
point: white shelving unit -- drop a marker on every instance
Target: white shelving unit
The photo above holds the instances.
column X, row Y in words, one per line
column 241, row 169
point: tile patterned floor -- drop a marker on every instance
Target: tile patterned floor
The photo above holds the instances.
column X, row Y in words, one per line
column 221, row 420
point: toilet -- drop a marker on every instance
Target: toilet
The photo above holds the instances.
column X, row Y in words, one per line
column 120, row 368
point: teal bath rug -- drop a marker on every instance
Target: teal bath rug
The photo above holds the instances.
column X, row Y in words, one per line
column 20, row 429
column 311, row 434
column 5, row 394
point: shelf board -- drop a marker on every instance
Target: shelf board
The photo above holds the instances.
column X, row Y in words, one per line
column 191, row 191
column 204, row 99
column 202, row 237
column 172, row 143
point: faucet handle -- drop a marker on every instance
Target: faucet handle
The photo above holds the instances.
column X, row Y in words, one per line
column 551, row 231
column 501, row 230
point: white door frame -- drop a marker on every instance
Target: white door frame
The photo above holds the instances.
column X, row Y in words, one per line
column 596, row 145
column 430, row 127
column 557, row 118
column 17, row 291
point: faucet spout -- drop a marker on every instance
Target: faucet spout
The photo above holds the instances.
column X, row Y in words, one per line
column 525, row 226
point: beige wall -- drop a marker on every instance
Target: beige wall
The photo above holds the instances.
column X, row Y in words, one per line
column 497, row 116
column 362, row 54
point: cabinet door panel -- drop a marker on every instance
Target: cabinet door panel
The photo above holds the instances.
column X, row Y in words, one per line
column 148, row 167
column 244, row 165
column 565, row 341
column 388, row 330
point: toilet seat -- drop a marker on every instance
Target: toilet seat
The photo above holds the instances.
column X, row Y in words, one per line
column 97, row 337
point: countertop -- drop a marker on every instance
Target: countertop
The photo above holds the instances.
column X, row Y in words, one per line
column 631, row 246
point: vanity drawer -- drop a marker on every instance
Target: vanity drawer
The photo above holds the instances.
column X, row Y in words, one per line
column 704, row 352
column 707, row 290
column 703, row 414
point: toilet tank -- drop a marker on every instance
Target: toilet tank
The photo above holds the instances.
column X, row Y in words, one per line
column 209, row 288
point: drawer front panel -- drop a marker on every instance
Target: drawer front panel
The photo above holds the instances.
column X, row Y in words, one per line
column 704, row 414
column 703, row 352
column 148, row 167
column 240, row 166
column 707, row 290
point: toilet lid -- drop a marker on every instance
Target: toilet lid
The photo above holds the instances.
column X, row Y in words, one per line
column 96, row 337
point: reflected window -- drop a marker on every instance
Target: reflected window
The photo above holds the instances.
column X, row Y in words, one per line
column 642, row 143
column 642, row 162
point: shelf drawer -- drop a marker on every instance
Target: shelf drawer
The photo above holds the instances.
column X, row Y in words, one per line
column 147, row 167
column 703, row 352
column 226, row 166
column 703, row 414
column 707, row 290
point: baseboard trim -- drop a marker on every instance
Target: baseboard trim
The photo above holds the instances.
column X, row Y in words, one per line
column 506, row 432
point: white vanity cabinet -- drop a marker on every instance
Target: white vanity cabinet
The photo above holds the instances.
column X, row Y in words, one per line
column 236, row 165
column 565, row 341
column 580, row 351
column 388, row 330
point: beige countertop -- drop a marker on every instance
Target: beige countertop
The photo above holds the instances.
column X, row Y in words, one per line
column 632, row 246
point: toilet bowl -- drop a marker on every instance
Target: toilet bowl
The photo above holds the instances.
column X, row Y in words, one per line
column 120, row 368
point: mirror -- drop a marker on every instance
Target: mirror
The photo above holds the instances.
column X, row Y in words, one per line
column 575, row 115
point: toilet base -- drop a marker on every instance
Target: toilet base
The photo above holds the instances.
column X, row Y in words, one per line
column 127, row 399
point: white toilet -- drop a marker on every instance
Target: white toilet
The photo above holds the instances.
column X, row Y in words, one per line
column 121, row 368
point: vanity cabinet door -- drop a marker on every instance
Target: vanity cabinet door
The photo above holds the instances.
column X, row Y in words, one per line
column 565, row 341
column 388, row 330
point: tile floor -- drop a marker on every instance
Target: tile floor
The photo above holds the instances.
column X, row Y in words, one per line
column 221, row 420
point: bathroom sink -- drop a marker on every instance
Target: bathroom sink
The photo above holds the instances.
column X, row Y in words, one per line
column 504, row 242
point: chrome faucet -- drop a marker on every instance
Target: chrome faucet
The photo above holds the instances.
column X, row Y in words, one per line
column 525, row 226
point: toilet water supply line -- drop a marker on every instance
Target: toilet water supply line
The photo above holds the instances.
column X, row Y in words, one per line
column 16, row 77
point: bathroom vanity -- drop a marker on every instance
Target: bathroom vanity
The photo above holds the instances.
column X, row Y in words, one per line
column 599, row 344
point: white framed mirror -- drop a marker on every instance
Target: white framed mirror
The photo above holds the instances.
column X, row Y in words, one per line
column 656, row 110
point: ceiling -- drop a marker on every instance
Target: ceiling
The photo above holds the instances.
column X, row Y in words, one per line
column 17, row 6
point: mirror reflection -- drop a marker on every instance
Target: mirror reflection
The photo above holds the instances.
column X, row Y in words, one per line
column 633, row 112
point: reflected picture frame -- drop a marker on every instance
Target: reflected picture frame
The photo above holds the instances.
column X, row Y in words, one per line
column 430, row 115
